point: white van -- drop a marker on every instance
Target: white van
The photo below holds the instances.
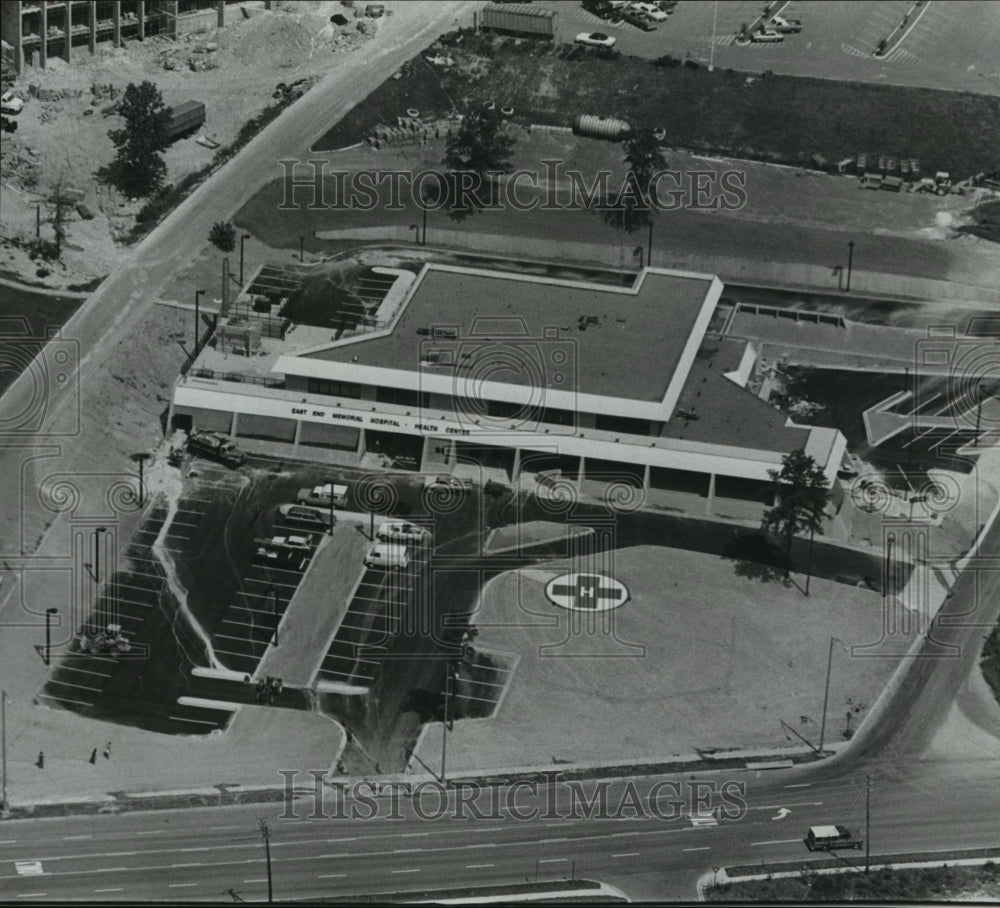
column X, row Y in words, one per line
column 387, row 555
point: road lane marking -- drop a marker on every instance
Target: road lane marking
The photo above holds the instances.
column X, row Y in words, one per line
column 629, row 854
column 412, row 870
column 179, row 885
column 151, row 832
column 261, row 880
column 779, row 806
column 9, row 842
column 32, row 895
column 330, row 876
column 413, row 835
column 119, row 889
column 701, row 848
column 74, row 838
column 552, row 860
column 800, row 785
column 195, row 864
column 478, row 866
column 777, row 842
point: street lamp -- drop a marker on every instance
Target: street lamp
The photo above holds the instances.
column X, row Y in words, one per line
column 850, row 264
column 890, row 541
column 274, row 607
column 141, row 459
column 3, row 747
column 449, row 668
column 826, row 691
column 49, row 612
column 302, row 249
column 245, row 236
column 97, row 552
column 197, row 321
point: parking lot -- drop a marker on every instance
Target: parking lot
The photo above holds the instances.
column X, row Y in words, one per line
column 951, row 46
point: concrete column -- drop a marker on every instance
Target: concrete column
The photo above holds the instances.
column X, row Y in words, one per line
column 118, row 23
column 12, row 31
column 422, row 466
column 645, row 482
column 43, row 33
column 171, row 7
column 361, row 448
column 142, row 20
column 582, row 473
column 234, row 425
column 68, row 24
column 220, row 13
column 298, row 433
column 93, row 27
column 516, row 468
column 710, row 503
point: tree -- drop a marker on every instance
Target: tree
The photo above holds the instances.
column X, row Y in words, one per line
column 223, row 236
column 475, row 154
column 801, row 496
column 138, row 168
column 61, row 199
column 633, row 207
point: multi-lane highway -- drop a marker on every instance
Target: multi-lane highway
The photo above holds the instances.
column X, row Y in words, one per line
column 204, row 853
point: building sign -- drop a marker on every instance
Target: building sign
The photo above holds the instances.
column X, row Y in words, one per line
column 587, row 592
column 385, row 422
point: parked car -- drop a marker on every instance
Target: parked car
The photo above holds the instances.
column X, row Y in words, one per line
column 404, row 532
column 766, row 36
column 387, row 555
column 300, row 515
column 600, row 8
column 639, row 19
column 286, row 551
column 595, row 39
column 650, row 9
column 11, row 103
column 786, row 26
column 449, row 482
column 319, row 496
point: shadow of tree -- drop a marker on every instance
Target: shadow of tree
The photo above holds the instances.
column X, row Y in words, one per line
column 755, row 558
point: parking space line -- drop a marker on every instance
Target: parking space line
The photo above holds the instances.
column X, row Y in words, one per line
column 194, row 721
column 70, row 668
column 96, row 690
column 65, row 700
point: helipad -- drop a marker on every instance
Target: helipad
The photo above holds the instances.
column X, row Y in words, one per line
column 587, row 592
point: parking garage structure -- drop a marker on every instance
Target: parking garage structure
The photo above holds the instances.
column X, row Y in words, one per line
column 493, row 374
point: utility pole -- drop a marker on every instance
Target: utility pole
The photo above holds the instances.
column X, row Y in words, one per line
column 274, row 605
column 868, row 822
column 711, row 51
column 3, row 747
column 265, row 831
column 850, row 265
column 444, row 725
column 197, row 323
column 826, row 692
column 49, row 612
column 97, row 552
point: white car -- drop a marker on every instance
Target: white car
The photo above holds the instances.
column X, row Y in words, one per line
column 446, row 481
column 595, row 39
column 650, row 9
column 11, row 103
column 767, row 36
column 401, row 531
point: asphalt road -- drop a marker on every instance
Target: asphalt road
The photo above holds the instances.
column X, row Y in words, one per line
column 200, row 855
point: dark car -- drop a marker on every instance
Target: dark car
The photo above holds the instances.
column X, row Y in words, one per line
column 639, row 19
column 603, row 9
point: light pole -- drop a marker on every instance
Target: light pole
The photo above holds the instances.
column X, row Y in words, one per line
column 197, row 322
column 711, row 51
column 49, row 612
column 274, row 608
column 445, row 726
column 97, row 552
column 332, row 518
column 265, row 831
column 890, row 541
column 649, row 246
column 850, row 264
column 3, row 747
column 302, row 249
column 868, row 823
column 245, row 236
column 826, row 690
column 141, row 459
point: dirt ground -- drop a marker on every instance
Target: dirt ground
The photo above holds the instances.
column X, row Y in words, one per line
column 67, row 139
column 685, row 666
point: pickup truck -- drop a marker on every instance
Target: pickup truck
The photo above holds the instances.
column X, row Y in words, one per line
column 785, row 26
column 319, row 496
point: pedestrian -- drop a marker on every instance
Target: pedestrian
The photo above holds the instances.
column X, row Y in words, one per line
column 107, row 751
column 41, row 760
column 93, row 756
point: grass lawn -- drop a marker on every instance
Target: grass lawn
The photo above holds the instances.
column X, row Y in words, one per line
column 699, row 657
column 938, row 884
column 990, row 661
column 777, row 118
